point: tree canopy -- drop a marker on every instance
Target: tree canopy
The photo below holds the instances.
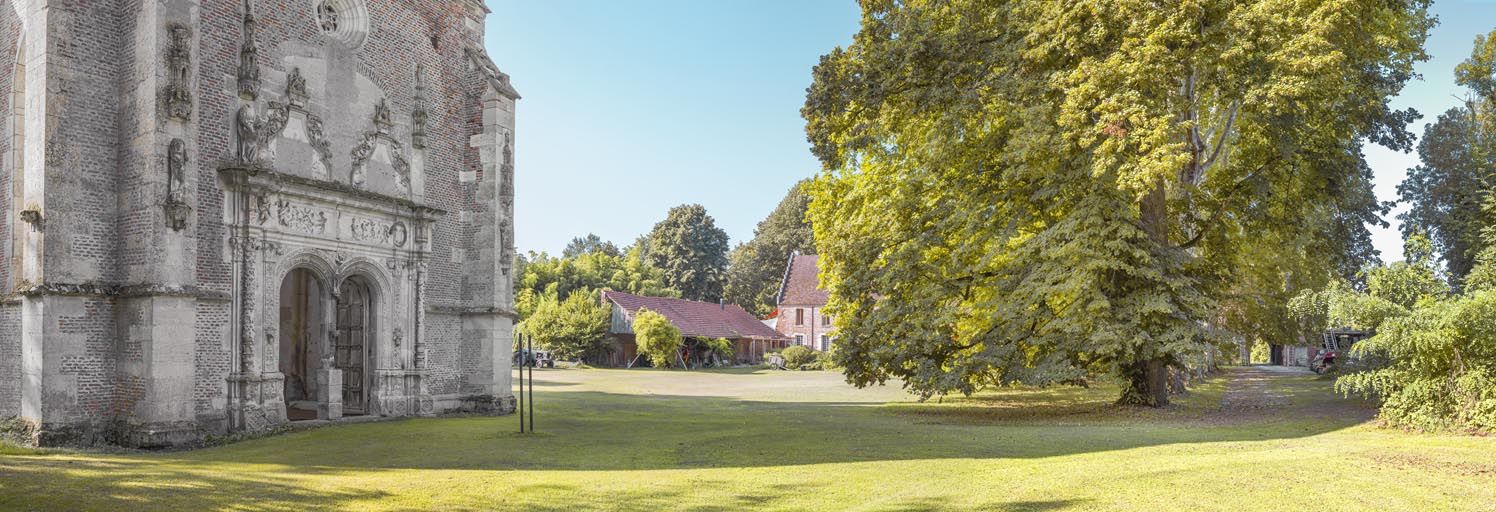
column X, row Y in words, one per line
column 589, row 244
column 1034, row 191
column 1446, row 192
column 691, row 251
column 757, row 267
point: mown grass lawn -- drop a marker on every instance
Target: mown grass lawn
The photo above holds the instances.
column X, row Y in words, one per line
column 655, row 440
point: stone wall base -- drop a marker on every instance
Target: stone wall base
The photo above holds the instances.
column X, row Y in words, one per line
column 478, row 404
column 159, row 435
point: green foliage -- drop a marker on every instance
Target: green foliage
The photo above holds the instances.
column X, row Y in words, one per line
column 657, row 339
column 544, row 278
column 1406, row 282
column 691, row 251
column 757, row 267
column 571, row 329
column 1261, row 352
column 798, row 357
column 1458, row 171
column 590, row 244
column 1440, row 370
column 1034, row 191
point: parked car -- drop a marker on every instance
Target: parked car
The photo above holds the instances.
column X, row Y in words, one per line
column 539, row 359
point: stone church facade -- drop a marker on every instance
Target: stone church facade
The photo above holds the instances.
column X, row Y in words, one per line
column 225, row 215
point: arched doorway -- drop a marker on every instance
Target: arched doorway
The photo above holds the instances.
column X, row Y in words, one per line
column 301, row 352
column 353, row 342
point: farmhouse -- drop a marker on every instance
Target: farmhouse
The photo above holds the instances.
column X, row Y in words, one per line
column 224, row 215
column 695, row 319
column 801, row 303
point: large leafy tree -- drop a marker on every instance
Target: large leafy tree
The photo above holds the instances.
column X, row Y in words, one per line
column 571, row 329
column 757, row 267
column 1458, row 171
column 691, row 251
column 1034, row 191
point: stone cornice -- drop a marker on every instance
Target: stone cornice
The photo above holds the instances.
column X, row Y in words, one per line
column 498, row 79
column 262, row 177
column 113, row 291
column 460, row 310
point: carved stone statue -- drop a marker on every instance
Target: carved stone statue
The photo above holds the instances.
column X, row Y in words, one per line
column 382, row 116
column 176, row 171
column 396, row 361
column 179, row 74
column 296, row 88
column 248, row 129
column 175, row 205
column 249, row 67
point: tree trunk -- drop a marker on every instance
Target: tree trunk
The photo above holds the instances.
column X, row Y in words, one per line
column 1148, row 376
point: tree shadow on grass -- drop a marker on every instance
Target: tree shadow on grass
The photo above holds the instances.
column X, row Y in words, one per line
column 591, row 430
column 598, row 431
column 113, row 483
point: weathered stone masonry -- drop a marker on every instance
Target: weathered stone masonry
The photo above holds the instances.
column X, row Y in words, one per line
column 220, row 215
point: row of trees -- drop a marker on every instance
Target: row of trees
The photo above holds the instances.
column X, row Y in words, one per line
column 1039, row 192
column 1432, row 361
column 685, row 255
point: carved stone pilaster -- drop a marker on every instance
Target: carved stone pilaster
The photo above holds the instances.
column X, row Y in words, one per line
column 418, row 112
column 249, row 67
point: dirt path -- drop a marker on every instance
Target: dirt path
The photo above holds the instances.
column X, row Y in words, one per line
column 1256, row 393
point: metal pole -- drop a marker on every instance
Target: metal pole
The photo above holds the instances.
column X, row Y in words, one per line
column 530, row 340
column 521, row 394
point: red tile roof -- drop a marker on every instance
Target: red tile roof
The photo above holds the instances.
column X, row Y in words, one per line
column 801, row 285
column 696, row 319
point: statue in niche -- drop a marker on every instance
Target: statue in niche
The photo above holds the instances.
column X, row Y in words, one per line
column 396, row 361
column 508, row 149
column 296, row 88
column 249, row 67
column 175, row 205
column 248, row 129
column 382, row 116
column 179, row 74
column 176, row 171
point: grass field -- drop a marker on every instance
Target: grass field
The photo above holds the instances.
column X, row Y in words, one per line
column 653, row 440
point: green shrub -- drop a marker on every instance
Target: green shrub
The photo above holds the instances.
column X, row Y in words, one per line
column 799, row 357
column 1438, row 365
column 657, row 338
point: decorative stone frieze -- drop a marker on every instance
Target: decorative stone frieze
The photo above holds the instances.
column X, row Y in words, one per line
column 300, row 218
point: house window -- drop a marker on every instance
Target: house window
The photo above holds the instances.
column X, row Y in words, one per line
column 825, row 320
column 825, row 343
column 799, row 316
column 799, row 339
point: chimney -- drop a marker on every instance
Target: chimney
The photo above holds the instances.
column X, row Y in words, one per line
column 722, row 303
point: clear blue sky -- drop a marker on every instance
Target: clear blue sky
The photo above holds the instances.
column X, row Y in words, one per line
column 633, row 107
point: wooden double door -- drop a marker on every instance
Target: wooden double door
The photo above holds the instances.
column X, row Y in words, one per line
column 351, row 349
